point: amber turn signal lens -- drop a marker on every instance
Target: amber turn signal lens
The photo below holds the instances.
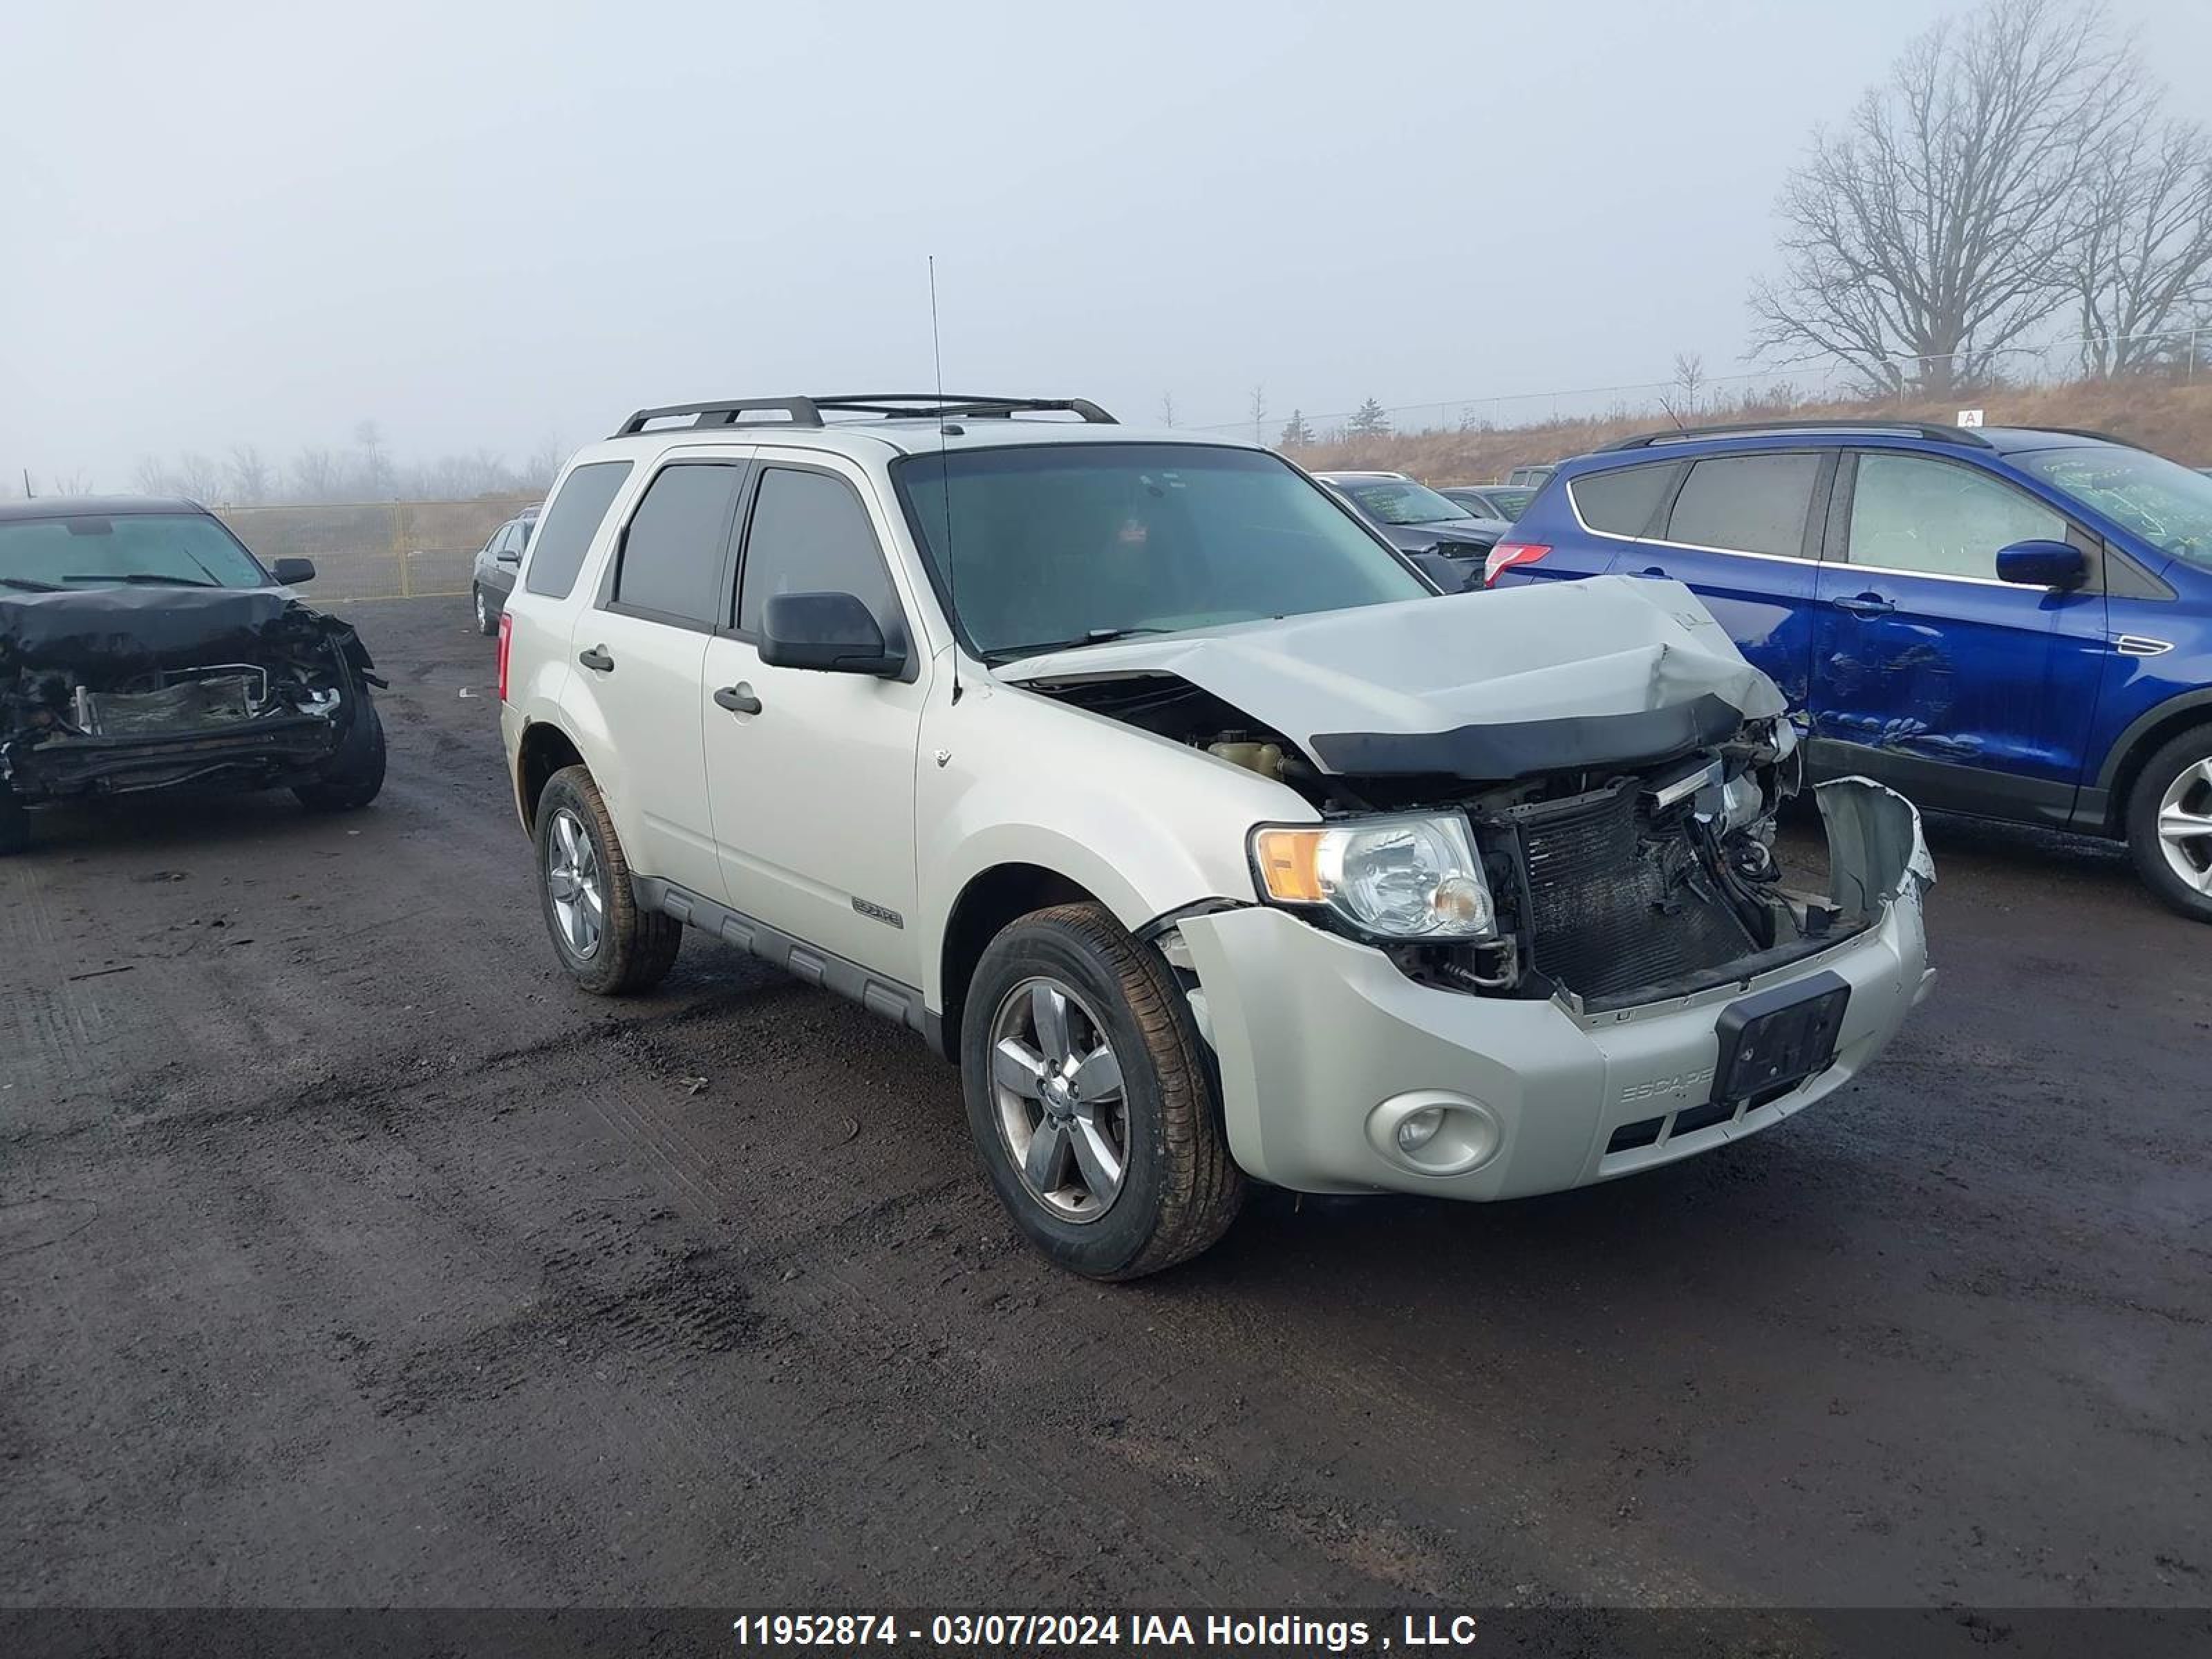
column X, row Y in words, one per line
column 1288, row 865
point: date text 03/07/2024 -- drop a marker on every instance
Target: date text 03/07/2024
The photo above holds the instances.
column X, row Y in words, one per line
column 1244, row 1632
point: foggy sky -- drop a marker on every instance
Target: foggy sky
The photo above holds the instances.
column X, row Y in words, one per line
column 487, row 225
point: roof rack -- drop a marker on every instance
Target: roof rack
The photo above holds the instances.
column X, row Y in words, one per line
column 2086, row 432
column 892, row 405
column 1944, row 435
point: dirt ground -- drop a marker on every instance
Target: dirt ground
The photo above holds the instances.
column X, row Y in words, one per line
column 348, row 1256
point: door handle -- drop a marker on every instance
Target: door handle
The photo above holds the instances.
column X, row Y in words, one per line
column 1864, row 604
column 597, row 659
column 738, row 699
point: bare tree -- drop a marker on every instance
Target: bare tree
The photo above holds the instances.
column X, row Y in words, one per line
column 2143, row 253
column 316, row 476
column 1259, row 414
column 543, row 464
column 1167, row 409
column 250, row 475
column 1689, row 379
column 78, row 483
column 152, row 477
column 200, row 476
column 1933, row 226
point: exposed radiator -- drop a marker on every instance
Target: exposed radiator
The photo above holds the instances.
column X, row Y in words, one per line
column 1610, row 907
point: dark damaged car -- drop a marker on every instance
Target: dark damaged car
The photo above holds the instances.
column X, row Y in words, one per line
column 143, row 647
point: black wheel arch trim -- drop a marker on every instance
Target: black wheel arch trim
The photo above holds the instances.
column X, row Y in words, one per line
column 2132, row 740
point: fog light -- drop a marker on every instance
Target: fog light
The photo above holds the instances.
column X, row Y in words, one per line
column 1417, row 1128
column 1434, row 1131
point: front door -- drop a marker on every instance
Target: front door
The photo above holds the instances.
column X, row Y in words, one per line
column 811, row 774
column 1963, row 691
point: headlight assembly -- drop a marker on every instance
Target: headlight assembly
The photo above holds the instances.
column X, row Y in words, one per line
column 1410, row 878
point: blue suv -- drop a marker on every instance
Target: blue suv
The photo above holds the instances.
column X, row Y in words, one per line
column 2005, row 621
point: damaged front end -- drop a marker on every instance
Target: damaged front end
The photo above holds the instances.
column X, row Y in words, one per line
column 1618, row 786
column 116, row 690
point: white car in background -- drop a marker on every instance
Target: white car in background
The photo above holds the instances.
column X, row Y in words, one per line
column 1148, row 783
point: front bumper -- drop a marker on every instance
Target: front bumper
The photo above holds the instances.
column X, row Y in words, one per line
column 267, row 750
column 1316, row 1034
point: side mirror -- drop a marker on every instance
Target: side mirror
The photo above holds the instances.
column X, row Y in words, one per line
column 513, row 556
column 290, row 573
column 2043, row 564
column 833, row 632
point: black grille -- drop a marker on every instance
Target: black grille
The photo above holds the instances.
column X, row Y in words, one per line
column 1615, row 901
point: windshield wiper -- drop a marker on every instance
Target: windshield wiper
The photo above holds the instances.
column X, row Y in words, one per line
column 142, row 579
column 27, row 586
column 1094, row 637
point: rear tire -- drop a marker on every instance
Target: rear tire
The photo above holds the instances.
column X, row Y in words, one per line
column 2171, row 797
column 487, row 618
column 610, row 946
column 354, row 775
column 1054, row 992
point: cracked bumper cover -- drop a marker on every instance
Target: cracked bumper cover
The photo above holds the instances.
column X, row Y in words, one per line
column 1314, row 1032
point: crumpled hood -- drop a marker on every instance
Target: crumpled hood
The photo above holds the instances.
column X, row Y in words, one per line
column 1487, row 684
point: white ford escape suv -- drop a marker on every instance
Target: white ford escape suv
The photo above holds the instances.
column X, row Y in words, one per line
column 1148, row 784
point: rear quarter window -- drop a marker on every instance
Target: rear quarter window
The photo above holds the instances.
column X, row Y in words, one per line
column 1621, row 503
column 568, row 525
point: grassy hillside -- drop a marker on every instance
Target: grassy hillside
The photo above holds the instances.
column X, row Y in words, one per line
column 2173, row 417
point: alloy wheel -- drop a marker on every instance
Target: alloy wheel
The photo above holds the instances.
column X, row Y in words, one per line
column 1062, row 1112
column 2185, row 826
column 573, row 883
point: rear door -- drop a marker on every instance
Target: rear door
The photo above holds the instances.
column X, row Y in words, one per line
column 812, row 773
column 1742, row 531
column 641, row 648
column 1963, row 691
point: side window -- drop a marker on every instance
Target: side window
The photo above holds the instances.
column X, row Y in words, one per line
column 570, row 521
column 1909, row 513
column 1621, row 503
column 1746, row 503
column 810, row 534
column 672, row 555
column 509, row 541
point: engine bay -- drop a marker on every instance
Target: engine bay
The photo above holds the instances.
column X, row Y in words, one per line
column 1615, row 885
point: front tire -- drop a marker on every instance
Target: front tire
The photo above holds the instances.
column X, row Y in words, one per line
column 1091, row 1100
column 354, row 775
column 609, row 945
column 487, row 618
column 2169, row 823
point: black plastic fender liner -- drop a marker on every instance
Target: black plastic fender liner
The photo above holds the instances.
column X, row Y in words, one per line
column 1515, row 749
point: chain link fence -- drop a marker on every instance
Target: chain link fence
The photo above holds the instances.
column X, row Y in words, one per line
column 378, row 549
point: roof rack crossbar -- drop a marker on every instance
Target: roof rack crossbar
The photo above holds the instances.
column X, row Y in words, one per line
column 798, row 411
column 1946, row 435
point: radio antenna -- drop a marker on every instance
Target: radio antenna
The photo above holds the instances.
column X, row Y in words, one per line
column 945, row 482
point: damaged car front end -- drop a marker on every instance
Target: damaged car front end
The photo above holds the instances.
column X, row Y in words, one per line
column 117, row 682
column 1534, row 925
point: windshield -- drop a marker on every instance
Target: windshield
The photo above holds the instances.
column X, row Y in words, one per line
column 2168, row 506
column 1059, row 543
column 95, row 551
column 1400, row 501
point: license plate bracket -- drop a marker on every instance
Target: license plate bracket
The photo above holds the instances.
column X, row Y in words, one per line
column 1773, row 1042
